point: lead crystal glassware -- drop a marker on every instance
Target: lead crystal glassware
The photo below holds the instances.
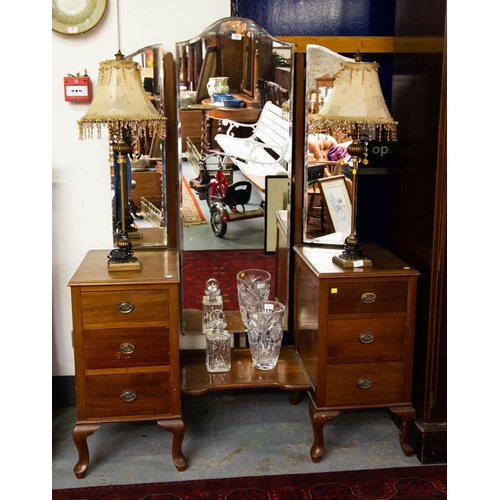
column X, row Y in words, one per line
column 212, row 301
column 265, row 333
column 253, row 287
column 218, row 345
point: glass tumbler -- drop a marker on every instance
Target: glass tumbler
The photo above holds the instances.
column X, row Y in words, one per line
column 253, row 287
column 265, row 333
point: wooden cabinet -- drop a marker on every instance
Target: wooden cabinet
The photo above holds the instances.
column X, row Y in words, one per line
column 191, row 126
column 353, row 333
column 126, row 347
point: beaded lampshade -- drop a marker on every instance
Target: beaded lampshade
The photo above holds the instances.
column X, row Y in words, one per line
column 120, row 101
column 356, row 105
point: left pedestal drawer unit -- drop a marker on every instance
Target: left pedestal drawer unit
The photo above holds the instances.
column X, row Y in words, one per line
column 126, row 347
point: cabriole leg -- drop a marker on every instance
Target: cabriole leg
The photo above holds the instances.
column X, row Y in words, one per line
column 407, row 415
column 80, row 434
column 176, row 427
column 318, row 419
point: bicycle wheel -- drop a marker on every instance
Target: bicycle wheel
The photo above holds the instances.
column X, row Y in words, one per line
column 219, row 226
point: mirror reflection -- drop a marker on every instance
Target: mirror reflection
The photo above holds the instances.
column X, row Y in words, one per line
column 326, row 148
column 234, row 88
column 145, row 213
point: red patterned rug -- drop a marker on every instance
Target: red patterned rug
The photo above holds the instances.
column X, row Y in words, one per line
column 223, row 265
column 383, row 484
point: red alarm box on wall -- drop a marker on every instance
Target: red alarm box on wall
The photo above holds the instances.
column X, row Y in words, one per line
column 77, row 88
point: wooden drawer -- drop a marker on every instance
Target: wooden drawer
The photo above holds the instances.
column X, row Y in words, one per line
column 122, row 348
column 367, row 297
column 124, row 308
column 387, row 384
column 152, row 395
column 364, row 340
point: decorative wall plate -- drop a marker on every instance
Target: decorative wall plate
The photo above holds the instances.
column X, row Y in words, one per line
column 72, row 17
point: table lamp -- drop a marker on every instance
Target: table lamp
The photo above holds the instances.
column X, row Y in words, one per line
column 121, row 103
column 356, row 107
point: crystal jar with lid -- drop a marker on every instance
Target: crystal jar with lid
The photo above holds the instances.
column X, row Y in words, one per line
column 212, row 301
column 218, row 345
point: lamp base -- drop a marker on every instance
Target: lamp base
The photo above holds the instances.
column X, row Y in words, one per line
column 122, row 258
column 346, row 261
column 352, row 256
column 128, row 264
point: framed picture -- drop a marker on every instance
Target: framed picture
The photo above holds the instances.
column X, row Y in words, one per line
column 337, row 202
column 208, row 68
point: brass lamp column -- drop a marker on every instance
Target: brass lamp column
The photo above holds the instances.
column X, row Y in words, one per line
column 356, row 107
column 121, row 103
column 123, row 258
column 353, row 249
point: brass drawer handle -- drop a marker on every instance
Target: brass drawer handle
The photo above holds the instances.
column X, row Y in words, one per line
column 366, row 338
column 128, row 396
column 125, row 307
column 368, row 297
column 364, row 383
column 127, row 348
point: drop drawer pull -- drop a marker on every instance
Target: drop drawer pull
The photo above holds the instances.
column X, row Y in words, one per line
column 127, row 348
column 125, row 307
column 128, row 396
column 368, row 297
column 366, row 338
column 364, row 383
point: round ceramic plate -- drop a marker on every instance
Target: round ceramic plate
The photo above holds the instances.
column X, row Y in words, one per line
column 72, row 17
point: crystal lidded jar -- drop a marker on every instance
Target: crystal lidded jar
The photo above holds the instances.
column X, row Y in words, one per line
column 212, row 301
column 218, row 345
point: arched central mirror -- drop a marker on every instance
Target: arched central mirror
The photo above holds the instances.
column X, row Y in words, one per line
column 233, row 79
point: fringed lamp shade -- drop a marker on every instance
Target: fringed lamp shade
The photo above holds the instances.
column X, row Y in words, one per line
column 119, row 102
column 356, row 105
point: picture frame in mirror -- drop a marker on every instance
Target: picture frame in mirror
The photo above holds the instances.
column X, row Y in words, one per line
column 337, row 202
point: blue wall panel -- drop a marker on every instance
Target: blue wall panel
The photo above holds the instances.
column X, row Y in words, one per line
column 320, row 17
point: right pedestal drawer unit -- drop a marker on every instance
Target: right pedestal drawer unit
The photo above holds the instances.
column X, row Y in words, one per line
column 353, row 333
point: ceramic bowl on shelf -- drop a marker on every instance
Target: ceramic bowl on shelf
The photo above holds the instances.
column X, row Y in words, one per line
column 220, row 97
column 233, row 102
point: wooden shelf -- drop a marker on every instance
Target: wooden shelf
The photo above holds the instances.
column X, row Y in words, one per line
column 195, row 379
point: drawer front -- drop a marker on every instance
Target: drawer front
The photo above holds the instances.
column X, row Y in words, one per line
column 128, row 395
column 126, row 348
column 367, row 297
column 125, row 308
column 365, row 384
column 361, row 340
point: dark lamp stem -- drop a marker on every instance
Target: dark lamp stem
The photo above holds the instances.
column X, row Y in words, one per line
column 355, row 149
column 353, row 249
